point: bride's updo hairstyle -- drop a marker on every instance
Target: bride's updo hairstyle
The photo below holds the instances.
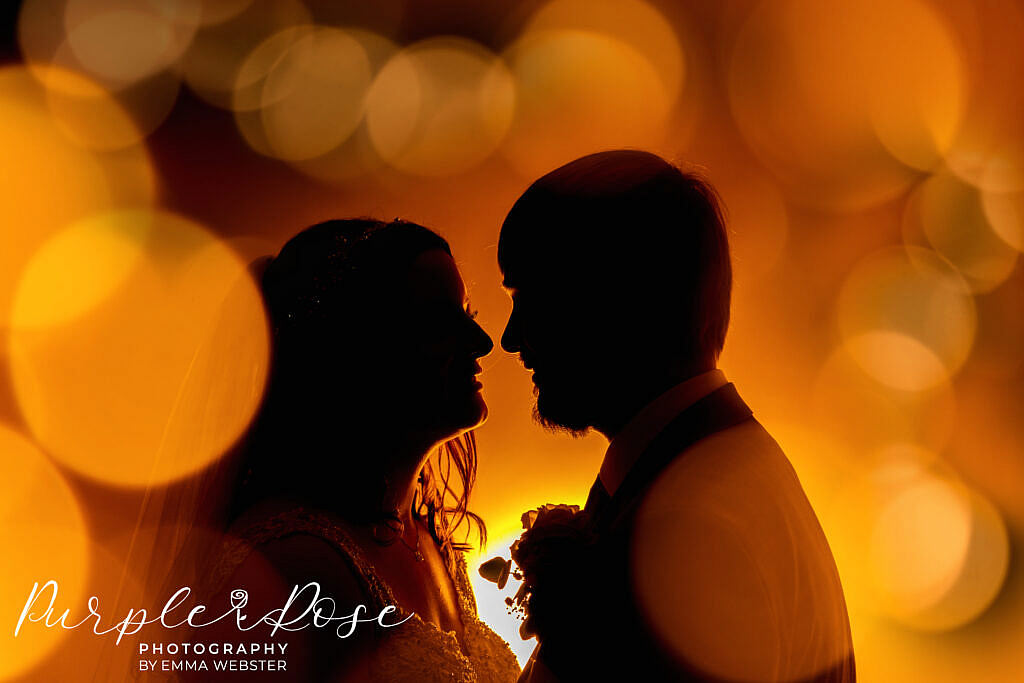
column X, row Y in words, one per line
column 337, row 298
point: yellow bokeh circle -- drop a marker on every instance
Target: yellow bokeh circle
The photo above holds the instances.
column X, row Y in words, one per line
column 155, row 364
column 440, row 107
column 44, row 536
column 938, row 550
column 578, row 92
column 907, row 317
column 314, row 94
column 950, row 215
column 836, row 100
column 55, row 179
column 635, row 22
column 210, row 66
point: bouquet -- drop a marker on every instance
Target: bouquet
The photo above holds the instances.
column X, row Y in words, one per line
column 554, row 558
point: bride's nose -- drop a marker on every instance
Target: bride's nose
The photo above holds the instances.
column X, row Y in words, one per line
column 480, row 342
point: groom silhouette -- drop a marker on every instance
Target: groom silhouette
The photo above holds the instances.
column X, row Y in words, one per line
column 709, row 563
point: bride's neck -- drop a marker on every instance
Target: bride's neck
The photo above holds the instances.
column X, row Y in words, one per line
column 361, row 476
column 384, row 481
column 402, row 476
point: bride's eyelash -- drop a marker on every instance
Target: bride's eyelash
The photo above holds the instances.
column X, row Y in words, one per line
column 472, row 313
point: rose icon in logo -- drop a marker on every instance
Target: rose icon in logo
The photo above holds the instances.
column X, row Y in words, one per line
column 239, row 598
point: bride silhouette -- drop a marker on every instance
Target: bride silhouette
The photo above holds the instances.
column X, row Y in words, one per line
column 358, row 470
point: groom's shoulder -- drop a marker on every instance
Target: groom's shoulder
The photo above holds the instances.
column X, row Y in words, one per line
column 725, row 542
column 732, row 482
column 744, row 456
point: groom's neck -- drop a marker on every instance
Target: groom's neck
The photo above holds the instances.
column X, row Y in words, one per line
column 631, row 400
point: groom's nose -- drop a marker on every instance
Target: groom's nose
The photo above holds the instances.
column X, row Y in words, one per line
column 511, row 339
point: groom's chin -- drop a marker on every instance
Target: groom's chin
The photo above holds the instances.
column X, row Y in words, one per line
column 559, row 416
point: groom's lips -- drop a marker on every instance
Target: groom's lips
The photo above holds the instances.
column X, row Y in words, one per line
column 529, row 366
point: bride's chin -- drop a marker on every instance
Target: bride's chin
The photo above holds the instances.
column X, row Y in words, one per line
column 461, row 419
column 475, row 414
column 478, row 412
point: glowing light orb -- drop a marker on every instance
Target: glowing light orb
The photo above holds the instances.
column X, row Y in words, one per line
column 211, row 64
column 951, row 216
column 352, row 157
column 580, row 92
column 897, row 359
column 919, row 544
column 44, row 537
column 989, row 148
column 47, row 163
column 938, row 550
column 83, row 654
column 88, row 114
column 849, row 403
column 157, row 367
column 1005, row 214
column 997, row 167
column 440, row 107
column 907, row 317
column 839, row 104
column 76, row 271
column 126, row 41
column 636, row 23
column 115, row 42
column 314, row 95
column 127, row 50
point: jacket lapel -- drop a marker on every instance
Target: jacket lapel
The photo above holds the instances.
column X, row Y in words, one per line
column 719, row 410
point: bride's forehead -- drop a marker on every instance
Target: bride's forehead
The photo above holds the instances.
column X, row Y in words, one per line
column 434, row 275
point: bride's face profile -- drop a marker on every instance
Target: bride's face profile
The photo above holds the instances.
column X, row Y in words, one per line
column 442, row 343
column 374, row 339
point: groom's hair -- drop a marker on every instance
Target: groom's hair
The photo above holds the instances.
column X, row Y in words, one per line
column 636, row 228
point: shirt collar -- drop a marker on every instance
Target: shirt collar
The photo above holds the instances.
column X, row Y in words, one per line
column 637, row 435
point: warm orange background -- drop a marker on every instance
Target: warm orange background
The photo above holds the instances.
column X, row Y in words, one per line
column 870, row 156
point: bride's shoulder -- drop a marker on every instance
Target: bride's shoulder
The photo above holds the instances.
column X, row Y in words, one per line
column 272, row 556
column 296, row 546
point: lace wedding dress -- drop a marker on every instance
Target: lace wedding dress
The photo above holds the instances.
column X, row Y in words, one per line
column 415, row 651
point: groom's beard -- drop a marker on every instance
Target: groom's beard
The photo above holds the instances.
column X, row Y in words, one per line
column 560, row 417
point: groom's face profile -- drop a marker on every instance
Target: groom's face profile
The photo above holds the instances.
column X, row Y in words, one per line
column 555, row 331
column 618, row 268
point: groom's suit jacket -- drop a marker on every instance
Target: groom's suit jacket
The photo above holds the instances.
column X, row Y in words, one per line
column 710, row 563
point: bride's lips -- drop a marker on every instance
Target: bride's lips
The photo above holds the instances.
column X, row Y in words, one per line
column 462, row 379
column 474, row 381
